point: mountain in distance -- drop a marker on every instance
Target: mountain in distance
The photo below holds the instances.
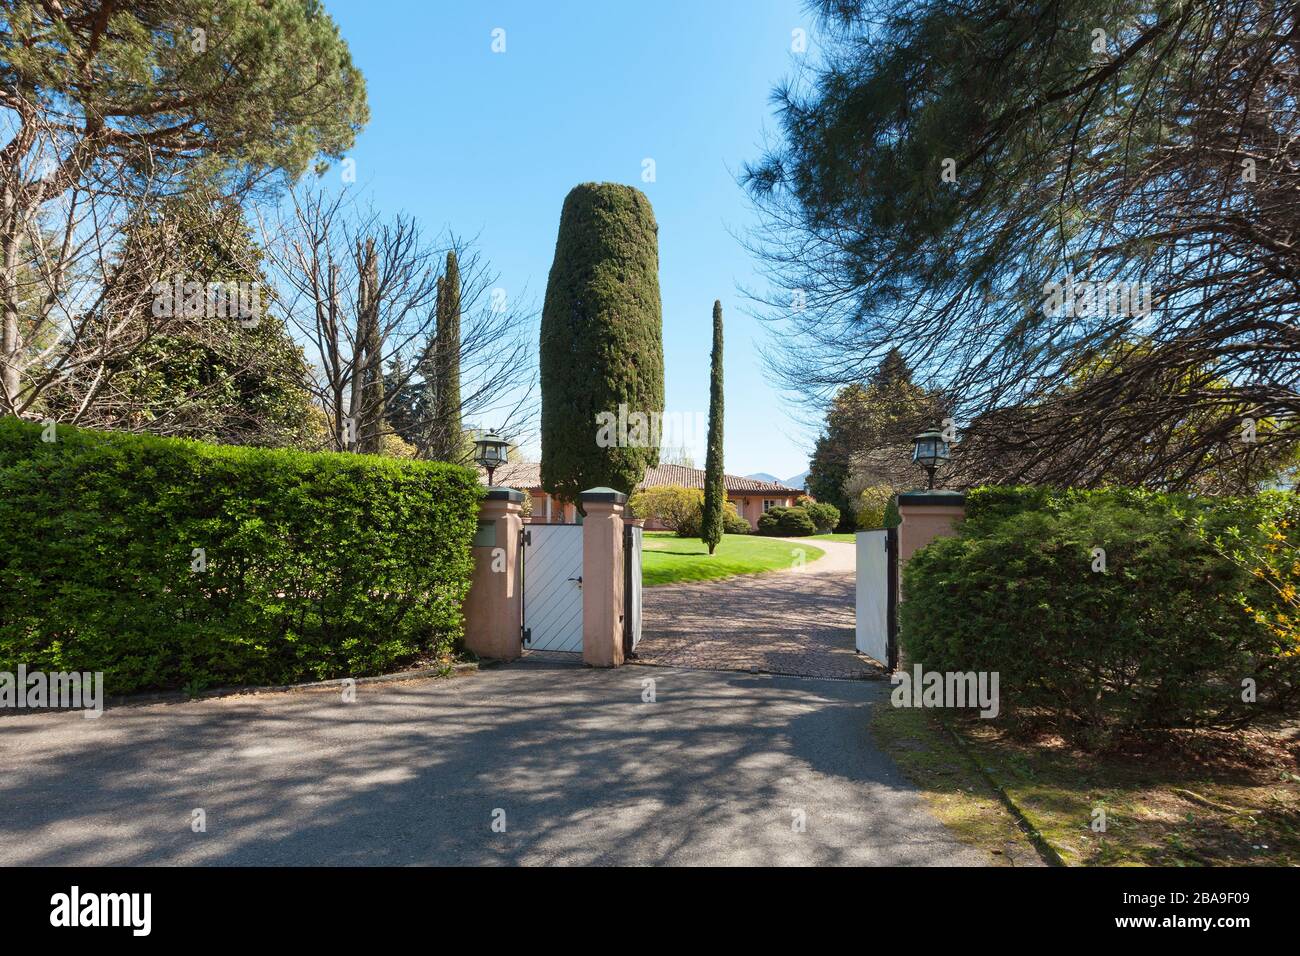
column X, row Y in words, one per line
column 795, row 482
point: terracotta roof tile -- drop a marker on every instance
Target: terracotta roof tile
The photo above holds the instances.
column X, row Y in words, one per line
column 527, row 475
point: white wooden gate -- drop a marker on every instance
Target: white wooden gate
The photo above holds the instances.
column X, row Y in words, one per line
column 553, row 587
column 877, row 584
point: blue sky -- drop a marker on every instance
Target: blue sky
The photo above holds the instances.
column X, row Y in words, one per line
column 488, row 144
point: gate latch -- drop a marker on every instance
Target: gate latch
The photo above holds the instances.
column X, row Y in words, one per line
column 579, row 580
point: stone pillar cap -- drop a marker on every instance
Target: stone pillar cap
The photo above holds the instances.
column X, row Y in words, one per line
column 603, row 496
column 932, row 497
column 504, row 494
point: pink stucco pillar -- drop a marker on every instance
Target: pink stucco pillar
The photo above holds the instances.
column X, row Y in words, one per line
column 494, row 608
column 927, row 515
column 602, row 577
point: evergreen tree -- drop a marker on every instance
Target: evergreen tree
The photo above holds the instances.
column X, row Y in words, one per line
column 867, row 439
column 828, row 469
column 204, row 371
column 446, row 437
column 715, row 489
column 601, row 343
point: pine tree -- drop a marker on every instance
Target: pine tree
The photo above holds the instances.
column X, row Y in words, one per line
column 715, row 488
column 601, row 343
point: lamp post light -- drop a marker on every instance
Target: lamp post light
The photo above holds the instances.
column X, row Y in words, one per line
column 490, row 450
column 928, row 449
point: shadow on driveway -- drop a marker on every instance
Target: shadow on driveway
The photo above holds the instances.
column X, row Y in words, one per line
column 717, row 770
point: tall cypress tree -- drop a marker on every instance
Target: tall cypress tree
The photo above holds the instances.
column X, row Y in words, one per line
column 601, row 343
column 446, row 437
column 715, row 489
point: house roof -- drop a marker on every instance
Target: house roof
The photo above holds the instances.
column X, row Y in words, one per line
column 527, row 475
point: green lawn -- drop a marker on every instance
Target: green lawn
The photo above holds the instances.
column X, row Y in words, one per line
column 668, row 559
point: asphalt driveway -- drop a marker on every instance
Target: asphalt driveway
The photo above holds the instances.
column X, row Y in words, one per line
column 720, row 769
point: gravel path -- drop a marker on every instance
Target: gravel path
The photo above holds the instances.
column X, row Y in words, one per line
column 799, row 621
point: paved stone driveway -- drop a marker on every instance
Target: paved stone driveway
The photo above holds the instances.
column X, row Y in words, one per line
column 782, row 622
column 717, row 770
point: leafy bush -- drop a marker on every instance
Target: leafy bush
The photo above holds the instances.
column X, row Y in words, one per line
column 1162, row 637
column 824, row 517
column 732, row 522
column 675, row 506
column 872, row 509
column 317, row 565
column 786, row 523
column 681, row 509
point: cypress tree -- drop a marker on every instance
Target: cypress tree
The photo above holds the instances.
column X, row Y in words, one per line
column 446, row 437
column 602, row 344
column 715, row 489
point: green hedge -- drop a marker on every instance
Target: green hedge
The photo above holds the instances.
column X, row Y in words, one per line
column 318, row 565
column 1163, row 637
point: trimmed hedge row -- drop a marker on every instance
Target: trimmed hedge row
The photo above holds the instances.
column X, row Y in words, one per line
column 1163, row 636
column 317, row 565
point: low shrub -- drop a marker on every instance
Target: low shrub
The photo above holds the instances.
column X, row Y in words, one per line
column 732, row 522
column 824, row 516
column 676, row 507
column 1162, row 635
column 786, row 523
column 311, row 566
column 681, row 509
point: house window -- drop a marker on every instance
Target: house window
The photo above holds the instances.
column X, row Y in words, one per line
column 768, row 504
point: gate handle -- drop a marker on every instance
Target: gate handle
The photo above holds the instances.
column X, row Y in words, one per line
column 578, row 579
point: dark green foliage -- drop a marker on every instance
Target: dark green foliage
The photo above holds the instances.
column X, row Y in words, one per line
column 828, row 469
column 1161, row 638
column 318, row 565
column 892, row 518
column 825, row 517
column 715, row 488
column 943, row 163
column 446, row 439
column 601, row 338
column 786, row 523
column 272, row 85
column 868, row 435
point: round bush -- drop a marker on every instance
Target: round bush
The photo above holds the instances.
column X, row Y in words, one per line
column 1162, row 637
column 786, row 523
column 824, row 516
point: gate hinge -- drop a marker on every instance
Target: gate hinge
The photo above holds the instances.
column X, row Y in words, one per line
column 526, row 636
column 525, row 536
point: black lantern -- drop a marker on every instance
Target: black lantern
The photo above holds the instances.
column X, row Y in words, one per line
column 491, row 450
column 928, row 449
